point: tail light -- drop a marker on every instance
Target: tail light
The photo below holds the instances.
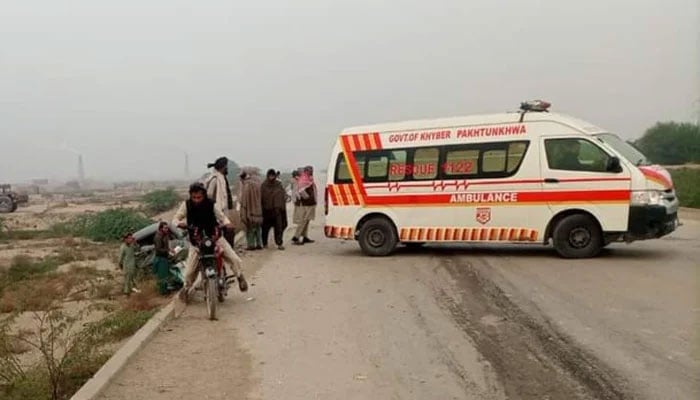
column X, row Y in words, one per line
column 325, row 201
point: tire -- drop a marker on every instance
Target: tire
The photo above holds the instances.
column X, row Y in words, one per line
column 578, row 236
column 378, row 237
column 211, row 292
column 220, row 291
column 6, row 205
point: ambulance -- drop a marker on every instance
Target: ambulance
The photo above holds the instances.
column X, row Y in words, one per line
column 529, row 176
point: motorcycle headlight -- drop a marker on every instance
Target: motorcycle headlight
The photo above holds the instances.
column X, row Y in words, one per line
column 645, row 197
column 208, row 243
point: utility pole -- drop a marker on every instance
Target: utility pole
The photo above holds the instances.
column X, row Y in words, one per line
column 81, row 169
column 187, row 166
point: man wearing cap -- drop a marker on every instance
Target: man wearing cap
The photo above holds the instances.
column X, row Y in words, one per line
column 273, row 196
column 306, row 212
column 219, row 191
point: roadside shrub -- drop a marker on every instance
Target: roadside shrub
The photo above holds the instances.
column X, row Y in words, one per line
column 69, row 356
column 118, row 325
column 24, row 267
column 104, row 226
column 687, row 183
column 161, row 200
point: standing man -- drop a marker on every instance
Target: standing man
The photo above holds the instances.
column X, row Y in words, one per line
column 296, row 199
column 219, row 191
column 274, row 205
column 161, row 262
column 251, row 210
column 199, row 211
column 307, row 206
column 127, row 263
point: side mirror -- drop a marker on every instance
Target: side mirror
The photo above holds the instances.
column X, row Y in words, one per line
column 614, row 165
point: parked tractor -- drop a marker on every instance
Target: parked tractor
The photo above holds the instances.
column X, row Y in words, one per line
column 9, row 200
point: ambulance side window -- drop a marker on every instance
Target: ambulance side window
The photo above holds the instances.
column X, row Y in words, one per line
column 575, row 155
column 483, row 160
column 397, row 166
column 425, row 163
column 342, row 171
column 374, row 166
column 461, row 162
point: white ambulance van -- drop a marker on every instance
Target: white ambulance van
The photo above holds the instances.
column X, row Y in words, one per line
column 524, row 177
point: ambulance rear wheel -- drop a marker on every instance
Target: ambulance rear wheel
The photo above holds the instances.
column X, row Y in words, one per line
column 578, row 236
column 378, row 237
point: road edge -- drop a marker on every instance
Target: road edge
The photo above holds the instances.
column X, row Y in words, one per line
column 689, row 213
column 106, row 374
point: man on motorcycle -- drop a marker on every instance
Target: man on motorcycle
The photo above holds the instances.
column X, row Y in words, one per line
column 199, row 212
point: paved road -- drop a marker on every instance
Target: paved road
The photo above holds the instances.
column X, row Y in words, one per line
column 469, row 322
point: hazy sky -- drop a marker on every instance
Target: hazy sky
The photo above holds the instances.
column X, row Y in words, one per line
column 131, row 84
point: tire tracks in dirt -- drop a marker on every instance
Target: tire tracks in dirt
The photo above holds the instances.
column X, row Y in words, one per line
column 532, row 359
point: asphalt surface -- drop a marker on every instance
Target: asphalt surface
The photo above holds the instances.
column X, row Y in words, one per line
column 443, row 322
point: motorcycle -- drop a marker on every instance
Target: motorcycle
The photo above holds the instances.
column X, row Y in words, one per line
column 210, row 267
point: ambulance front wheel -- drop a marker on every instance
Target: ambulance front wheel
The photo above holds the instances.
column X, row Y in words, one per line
column 578, row 236
column 378, row 237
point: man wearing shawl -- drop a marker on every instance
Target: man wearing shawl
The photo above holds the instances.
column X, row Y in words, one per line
column 251, row 210
column 306, row 211
column 273, row 206
column 219, row 191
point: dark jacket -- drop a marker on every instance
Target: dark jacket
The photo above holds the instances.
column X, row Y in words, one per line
column 202, row 217
column 311, row 200
column 162, row 244
column 273, row 195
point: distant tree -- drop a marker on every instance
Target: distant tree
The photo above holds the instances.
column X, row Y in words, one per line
column 161, row 200
column 671, row 143
column 233, row 168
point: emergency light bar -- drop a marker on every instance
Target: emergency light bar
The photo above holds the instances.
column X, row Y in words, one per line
column 535, row 105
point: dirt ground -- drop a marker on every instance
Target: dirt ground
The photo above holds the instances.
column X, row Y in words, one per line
column 457, row 322
column 86, row 288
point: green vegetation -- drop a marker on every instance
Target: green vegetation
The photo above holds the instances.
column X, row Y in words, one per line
column 671, row 143
column 24, row 268
column 687, row 183
column 69, row 356
column 65, row 351
column 119, row 325
column 161, row 200
column 104, row 226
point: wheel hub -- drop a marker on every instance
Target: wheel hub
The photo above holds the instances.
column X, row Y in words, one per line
column 376, row 238
column 580, row 237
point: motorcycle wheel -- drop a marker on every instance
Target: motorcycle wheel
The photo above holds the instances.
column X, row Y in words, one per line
column 220, row 294
column 211, row 292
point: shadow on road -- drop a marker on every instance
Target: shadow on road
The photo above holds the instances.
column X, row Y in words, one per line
column 615, row 251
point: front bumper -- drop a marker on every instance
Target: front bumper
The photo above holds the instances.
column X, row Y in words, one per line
column 651, row 222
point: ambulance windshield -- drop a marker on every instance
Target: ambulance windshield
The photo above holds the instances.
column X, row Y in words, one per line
column 625, row 149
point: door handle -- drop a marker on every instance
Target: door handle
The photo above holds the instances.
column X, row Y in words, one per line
column 551, row 180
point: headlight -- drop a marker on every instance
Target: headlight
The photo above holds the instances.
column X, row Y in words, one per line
column 645, row 197
column 208, row 243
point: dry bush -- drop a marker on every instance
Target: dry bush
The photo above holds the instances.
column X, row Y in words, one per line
column 103, row 290
column 37, row 295
column 65, row 256
column 148, row 299
column 70, row 242
column 68, row 357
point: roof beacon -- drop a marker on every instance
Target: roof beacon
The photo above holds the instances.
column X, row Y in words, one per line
column 533, row 106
